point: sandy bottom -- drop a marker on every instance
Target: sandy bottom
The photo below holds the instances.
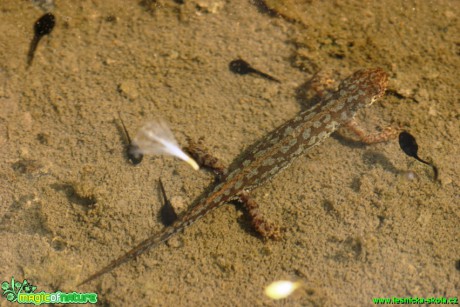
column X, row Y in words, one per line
column 359, row 221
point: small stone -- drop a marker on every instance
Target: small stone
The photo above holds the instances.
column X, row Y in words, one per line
column 109, row 61
column 209, row 6
column 445, row 180
column 432, row 111
column 178, row 203
column 450, row 14
column 410, row 175
column 174, row 242
column 422, row 95
column 128, row 89
column 45, row 5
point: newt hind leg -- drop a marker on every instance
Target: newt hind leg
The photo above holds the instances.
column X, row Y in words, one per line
column 387, row 134
column 266, row 228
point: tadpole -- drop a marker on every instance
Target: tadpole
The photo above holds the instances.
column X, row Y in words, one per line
column 409, row 145
column 242, row 67
column 43, row 26
column 167, row 212
column 132, row 150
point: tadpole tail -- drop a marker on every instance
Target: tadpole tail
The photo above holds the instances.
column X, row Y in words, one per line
column 266, row 76
column 435, row 169
column 423, row 161
column 32, row 48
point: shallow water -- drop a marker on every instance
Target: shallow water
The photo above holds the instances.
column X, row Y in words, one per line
column 356, row 226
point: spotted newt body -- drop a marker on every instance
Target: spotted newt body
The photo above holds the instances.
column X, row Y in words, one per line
column 274, row 152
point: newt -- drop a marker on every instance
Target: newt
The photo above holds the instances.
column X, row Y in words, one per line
column 273, row 153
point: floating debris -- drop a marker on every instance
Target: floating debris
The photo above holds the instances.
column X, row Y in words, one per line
column 281, row 289
column 409, row 145
column 157, row 139
column 132, row 151
column 43, row 26
column 44, row 5
column 242, row 67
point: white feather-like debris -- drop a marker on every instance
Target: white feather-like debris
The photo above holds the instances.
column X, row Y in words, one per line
column 156, row 138
column 281, row 289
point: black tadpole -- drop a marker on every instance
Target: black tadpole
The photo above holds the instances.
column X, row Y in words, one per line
column 409, row 145
column 132, row 150
column 167, row 212
column 43, row 26
column 242, row 67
